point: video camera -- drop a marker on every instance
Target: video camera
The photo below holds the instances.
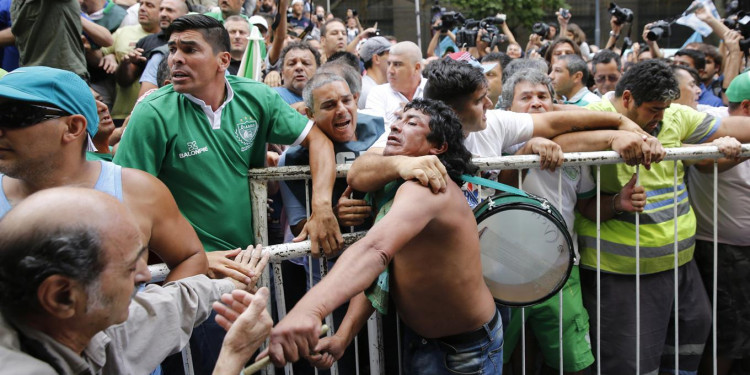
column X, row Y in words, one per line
column 622, row 15
column 742, row 25
column 541, row 29
column 449, row 21
column 658, row 30
column 467, row 35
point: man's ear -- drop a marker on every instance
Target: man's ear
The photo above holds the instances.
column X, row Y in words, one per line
column 58, row 296
column 75, row 128
column 224, row 59
column 439, row 150
column 745, row 107
column 579, row 76
column 627, row 98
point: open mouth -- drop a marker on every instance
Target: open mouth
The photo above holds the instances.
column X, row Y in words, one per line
column 342, row 124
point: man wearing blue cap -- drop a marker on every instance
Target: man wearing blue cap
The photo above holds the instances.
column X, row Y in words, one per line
column 47, row 120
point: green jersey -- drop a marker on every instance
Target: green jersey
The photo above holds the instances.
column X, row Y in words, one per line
column 679, row 125
column 204, row 163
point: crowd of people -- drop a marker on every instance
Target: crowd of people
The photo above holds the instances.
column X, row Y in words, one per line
column 126, row 136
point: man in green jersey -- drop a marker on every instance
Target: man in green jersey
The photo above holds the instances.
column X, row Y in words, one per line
column 201, row 134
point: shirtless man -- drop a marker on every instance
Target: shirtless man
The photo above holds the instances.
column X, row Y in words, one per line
column 47, row 119
column 440, row 240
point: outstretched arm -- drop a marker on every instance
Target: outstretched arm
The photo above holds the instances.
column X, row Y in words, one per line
column 330, row 349
column 355, row 270
column 322, row 226
column 551, row 124
column 633, row 147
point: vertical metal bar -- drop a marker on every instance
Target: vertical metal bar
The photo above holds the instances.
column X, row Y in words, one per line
column 375, row 341
column 187, row 360
column 598, row 270
column 560, row 293
column 398, row 344
column 715, row 360
column 307, row 214
column 259, row 199
column 419, row 23
column 637, row 281
column 523, row 309
column 676, row 280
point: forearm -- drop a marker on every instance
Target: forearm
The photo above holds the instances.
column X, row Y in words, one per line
column 323, row 169
column 370, row 172
column 732, row 66
column 7, row 38
column 508, row 33
column 356, row 269
column 127, row 73
column 279, row 34
column 655, row 50
column 98, row 34
column 612, row 41
column 433, row 44
column 195, row 264
column 589, row 141
column 607, row 209
column 733, row 126
column 229, row 363
column 549, row 125
column 356, row 316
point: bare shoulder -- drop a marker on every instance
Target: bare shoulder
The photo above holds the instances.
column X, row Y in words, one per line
column 140, row 186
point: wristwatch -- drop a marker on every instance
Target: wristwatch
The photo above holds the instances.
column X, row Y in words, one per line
column 612, row 34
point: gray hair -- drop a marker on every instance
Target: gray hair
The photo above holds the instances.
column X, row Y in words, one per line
column 523, row 64
column 317, row 81
column 345, row 71
column 576, row 64
column 532, row 76
column 28, row 258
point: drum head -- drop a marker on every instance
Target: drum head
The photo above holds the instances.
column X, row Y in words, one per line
column 527, row 253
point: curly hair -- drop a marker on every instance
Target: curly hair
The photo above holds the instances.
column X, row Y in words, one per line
column 648, row 81
column 445, row 128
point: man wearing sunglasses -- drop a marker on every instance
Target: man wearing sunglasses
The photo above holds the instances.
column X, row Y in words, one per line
column 606, row 70
column 48, row 118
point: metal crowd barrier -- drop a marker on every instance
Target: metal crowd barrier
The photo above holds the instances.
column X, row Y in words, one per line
column 259, row 178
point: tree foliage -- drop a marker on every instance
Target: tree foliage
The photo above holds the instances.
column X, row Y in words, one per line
column 519, row 12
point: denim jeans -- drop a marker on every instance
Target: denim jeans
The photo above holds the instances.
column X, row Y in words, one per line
column 436, row 357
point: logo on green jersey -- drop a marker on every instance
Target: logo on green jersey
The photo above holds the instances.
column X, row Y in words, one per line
column 245, row 132
column 193, row 150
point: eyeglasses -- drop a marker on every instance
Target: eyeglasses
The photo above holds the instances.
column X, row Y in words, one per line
column 17, row 115
column 608, row 77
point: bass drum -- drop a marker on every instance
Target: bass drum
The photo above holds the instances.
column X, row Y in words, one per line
column 527, row 252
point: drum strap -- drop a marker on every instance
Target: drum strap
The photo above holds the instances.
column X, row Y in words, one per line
column 493, row 184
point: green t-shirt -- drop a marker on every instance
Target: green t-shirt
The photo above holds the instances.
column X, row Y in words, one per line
column 170, row 137
column 681, row 124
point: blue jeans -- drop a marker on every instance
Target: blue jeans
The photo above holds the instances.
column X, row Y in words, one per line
column 437, row 357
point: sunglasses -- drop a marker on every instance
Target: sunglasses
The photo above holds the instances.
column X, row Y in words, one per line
column 609, row 77
column 17, row 115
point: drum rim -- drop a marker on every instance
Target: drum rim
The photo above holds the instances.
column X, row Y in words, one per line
column 559, row 223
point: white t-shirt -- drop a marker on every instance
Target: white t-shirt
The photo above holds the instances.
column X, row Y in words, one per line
column 367, row 84
column 504, row 129
column 386, row 102
column 577, row 182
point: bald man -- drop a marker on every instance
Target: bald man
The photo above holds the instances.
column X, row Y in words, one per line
column 71, row 262
column 405, row 82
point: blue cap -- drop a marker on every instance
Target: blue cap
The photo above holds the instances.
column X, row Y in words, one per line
column 61, row 88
